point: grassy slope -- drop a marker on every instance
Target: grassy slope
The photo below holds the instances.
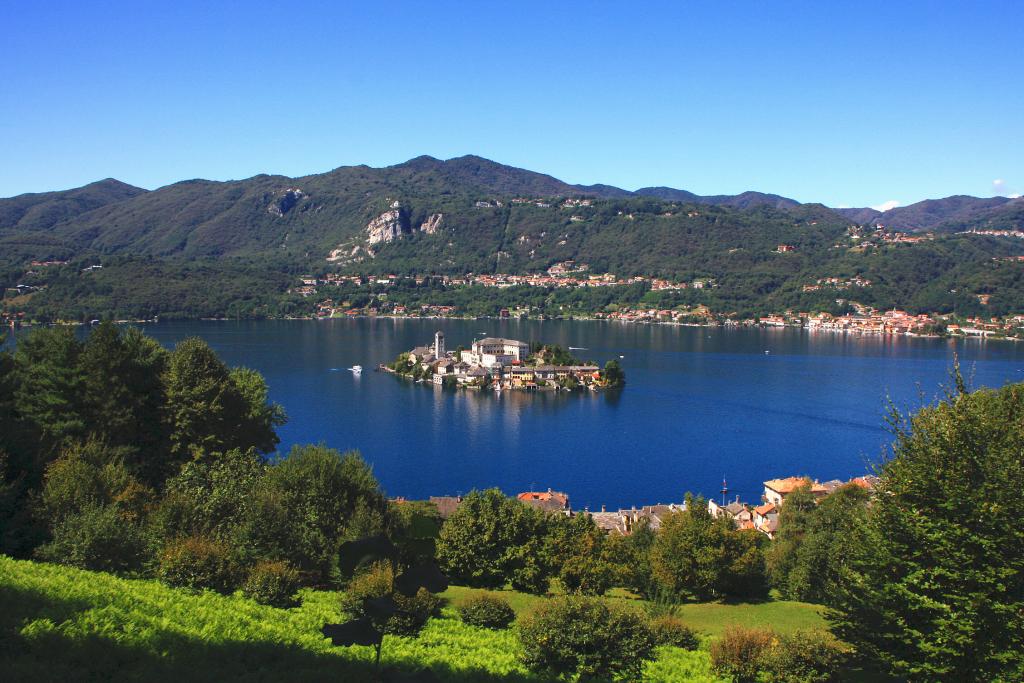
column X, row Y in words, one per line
column 65, row 624
column 708, row 618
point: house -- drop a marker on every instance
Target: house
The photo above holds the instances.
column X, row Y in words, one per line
column 738, row 512
column 418, row 354
column 776, row 490
column 473, row 374
column 868, row 481
column 765, row 518
column 607, row 522
column 548, row 501
column 625, row 521
column 521, row 377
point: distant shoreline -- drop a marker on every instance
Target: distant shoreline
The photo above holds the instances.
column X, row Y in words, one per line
column 667, row 323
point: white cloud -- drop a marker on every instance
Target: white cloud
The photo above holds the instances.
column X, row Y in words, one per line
column 885, row 206
column 1016, row 195
column 998, row 185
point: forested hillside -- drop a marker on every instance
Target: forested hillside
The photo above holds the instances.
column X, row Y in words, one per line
column 251, row 238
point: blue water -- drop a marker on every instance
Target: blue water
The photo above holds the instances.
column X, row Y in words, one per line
column 700, row 404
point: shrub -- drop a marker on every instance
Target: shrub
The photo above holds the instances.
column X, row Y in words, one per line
column 740, row 652
column 585, row 638
column 378, row 581
column 413, row 612
column 670, row 630
column 805, row 657
column 196, row 562
column 761, row 655
column 98, row 537
column 487, row 611
column 272, row 583
column 321, row 490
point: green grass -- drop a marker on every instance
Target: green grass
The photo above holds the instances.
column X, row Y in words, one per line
column 709, row 618
column 64, row 624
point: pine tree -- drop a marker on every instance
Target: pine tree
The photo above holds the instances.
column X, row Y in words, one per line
column 935, row 583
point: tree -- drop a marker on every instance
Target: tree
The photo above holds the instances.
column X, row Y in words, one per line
column 19, row 470
column 632, row 556
column 935, row 583
column 794, row 517
column 491, row 540
column 471, row 547
column 123, row 394
column 202, row 405
column 211, row 409
column 688, row 555
column 94, row 507
column 613, row 374
column 49, row 384
column 820, row 557
column 698, row 555
column 212, row 498
column 744, row 574
column 579, row 549
column 328, row 497
column 585, row 638
column 260, row 415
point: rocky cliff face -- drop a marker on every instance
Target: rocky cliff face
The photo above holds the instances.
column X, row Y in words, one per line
column 386, row 227
column 432, row 224
column 286, row 201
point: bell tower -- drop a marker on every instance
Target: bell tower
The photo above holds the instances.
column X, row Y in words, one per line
column 439, row 344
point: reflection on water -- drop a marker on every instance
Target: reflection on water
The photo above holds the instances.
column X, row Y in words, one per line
column 699, row 403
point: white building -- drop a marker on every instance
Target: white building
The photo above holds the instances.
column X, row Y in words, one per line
column 493, row 351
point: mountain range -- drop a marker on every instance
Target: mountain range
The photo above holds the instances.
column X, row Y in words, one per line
column 237, row 247
column 194, row 217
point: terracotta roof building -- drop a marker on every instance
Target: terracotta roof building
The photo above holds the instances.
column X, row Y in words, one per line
column 549, row 501
column 776, row 490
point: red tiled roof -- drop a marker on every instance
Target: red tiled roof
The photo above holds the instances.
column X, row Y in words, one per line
column 790, row 484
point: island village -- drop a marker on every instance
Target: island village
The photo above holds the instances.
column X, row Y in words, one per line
column 503, row 364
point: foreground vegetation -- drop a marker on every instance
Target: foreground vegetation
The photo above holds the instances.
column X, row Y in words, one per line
column 67, row 624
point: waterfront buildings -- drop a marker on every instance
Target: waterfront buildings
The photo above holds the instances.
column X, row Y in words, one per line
column 494, row 363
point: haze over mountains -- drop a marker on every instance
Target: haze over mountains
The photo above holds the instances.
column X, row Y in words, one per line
column 188, row 216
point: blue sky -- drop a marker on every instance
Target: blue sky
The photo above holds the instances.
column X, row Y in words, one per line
column 849, row 105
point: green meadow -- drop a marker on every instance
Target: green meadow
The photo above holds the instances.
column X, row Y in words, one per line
column 65, row 624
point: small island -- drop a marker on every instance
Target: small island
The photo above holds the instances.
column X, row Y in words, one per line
column 498, row 364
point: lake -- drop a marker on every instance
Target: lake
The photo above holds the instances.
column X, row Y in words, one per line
column 700, row 404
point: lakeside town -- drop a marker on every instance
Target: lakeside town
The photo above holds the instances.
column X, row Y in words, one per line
column 863, row 319
column 499, row 364
column 762, row 516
